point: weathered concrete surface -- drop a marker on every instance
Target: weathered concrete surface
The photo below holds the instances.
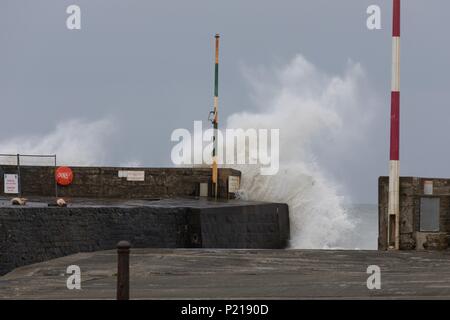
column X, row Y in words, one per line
column 205, row 273
column 37, row 233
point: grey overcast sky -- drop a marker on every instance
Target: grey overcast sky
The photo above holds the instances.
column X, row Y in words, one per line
column 149, row 65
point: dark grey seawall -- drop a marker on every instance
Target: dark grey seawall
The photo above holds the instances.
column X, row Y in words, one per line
column 30, row 235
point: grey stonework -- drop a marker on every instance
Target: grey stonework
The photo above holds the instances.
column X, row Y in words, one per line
column 104, row 182
column 411, row 192
column 105, row 208
column 34, row 234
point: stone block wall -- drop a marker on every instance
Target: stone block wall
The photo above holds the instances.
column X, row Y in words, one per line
column 411, row 192
column 252, row 226
column 104, row 182
column 29, row 235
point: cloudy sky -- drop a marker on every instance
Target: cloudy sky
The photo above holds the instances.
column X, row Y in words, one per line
column 116, row 89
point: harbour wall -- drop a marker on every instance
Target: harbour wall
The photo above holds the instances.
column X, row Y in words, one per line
column 34, row 234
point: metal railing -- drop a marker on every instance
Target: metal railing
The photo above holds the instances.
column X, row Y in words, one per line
column 17, row 162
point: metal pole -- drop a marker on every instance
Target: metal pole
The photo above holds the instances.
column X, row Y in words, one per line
column 56, row 182
column 18, row 175
column 216, row 119
column 394, row 163
column 123, row 270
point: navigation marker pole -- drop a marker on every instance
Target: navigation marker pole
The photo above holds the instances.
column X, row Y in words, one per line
column 394, row 163
column 215, row 120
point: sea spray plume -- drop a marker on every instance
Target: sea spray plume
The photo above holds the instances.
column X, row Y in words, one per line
column 74, row 142
column 314, row 111
column 317, row 217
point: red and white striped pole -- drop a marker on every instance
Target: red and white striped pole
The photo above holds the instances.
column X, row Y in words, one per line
column 394, row 164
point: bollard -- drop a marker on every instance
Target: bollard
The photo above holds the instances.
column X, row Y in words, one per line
column 123, row 270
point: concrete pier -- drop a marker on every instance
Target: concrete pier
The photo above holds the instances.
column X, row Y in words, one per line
column 37, row 232
column 236, row 274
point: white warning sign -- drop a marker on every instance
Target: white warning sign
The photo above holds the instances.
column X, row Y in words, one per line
column 136, row 176
column 132, row 175
column 11, row 183
column 234, row 183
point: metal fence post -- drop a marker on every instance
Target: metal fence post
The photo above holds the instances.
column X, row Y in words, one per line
column 56, row 182
column 123, row 270
column 19, row 184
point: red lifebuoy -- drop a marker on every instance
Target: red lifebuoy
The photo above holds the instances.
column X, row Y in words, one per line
column 64, row 176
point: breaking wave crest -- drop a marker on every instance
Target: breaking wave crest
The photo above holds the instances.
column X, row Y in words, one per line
column 313, row 111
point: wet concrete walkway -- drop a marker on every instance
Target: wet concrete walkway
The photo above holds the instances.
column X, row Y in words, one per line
column 236, row 274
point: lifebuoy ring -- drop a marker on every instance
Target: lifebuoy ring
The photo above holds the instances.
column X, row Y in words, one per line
column 64, row 176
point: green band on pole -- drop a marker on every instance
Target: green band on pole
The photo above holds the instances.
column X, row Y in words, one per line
column 216, row 81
